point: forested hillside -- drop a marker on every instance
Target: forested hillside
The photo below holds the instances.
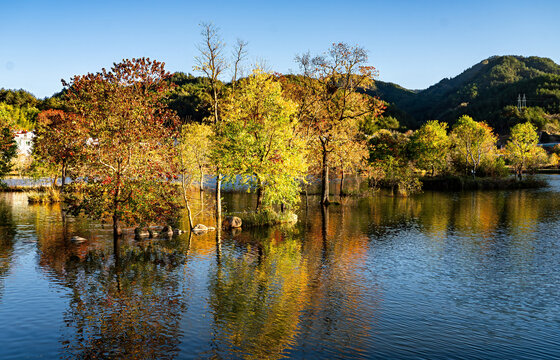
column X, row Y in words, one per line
column 487, row 91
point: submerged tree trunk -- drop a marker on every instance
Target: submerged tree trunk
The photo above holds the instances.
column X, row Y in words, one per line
column 325, row 177
column 186, row 199
column 218, row 197
column 342, row 193
column 116, row 219
column 116, row 231
column 189, row 213
column 259, row 197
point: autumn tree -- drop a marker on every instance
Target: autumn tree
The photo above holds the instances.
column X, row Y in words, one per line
column 259, row 140
column 473, row 142
column 129, row 132
column 59, row 142
column 8, row 148
column 19, row 117
column 390, row 162
column 330, row 101
column 430, row 145
column 350, row 158
column 521, row 149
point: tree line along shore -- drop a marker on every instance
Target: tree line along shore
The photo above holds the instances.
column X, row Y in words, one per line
column 135, row 138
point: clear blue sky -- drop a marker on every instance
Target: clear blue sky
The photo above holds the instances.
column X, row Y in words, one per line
column 412, row 43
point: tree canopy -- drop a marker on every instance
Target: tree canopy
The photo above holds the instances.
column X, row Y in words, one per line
column 259, row 140
column 128, row 133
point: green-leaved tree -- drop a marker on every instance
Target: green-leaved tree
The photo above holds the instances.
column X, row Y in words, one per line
column 429, row 146
column 473, row 142
column 259, row 141
column 522, row 149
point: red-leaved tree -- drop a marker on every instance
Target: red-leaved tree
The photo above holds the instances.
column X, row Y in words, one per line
column 129, row 133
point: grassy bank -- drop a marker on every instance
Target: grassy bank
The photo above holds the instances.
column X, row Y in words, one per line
column 48, row 196
column 459, row 183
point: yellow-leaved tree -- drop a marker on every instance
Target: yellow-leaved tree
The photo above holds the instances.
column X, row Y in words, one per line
column 259, row 142
column 473, row 142
column 522, row 150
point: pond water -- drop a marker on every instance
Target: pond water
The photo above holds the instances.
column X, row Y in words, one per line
column 439, row 275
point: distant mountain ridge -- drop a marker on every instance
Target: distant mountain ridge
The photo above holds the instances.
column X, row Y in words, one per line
column 486, row 91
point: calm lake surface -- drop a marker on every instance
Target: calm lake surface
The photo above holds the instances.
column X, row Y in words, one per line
column 441, row 275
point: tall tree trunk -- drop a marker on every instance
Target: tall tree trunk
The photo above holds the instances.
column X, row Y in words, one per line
column 342, row 193
column 325, row 177
column 63, row 179
column 215, row 93
column 189, row 213
column 186, row 199
column 116, row 226
column 259, row 196
column 306, row 198
column 201, row 181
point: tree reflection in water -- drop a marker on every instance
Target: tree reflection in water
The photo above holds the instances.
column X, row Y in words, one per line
column 123, row 305
column 312, row 290
column 257, row 291
column 7, row 235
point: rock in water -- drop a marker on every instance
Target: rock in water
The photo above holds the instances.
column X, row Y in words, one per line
column 178, row 232
column 232, row 222
column 153, row 233
column 167, row 231
column 77, row 239
column 140, row 233
column 200, row 227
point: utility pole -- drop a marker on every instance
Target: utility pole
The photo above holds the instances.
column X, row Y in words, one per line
column 521, row 102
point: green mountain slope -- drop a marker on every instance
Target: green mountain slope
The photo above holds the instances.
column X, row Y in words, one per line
column 487, row 91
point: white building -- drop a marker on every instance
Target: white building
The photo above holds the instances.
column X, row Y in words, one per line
column 24, row 141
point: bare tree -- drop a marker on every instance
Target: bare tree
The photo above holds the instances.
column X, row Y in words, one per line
column 239, row 54
column 211, row 62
